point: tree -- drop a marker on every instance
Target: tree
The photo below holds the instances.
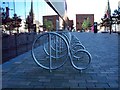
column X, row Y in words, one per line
column 116, row 14
column 86, row 23
column 10, row 23
column 48, row 25
column 29, row 23
column 16, row 21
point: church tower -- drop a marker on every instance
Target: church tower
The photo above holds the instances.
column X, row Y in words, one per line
column 31, row 12
column 108, row 10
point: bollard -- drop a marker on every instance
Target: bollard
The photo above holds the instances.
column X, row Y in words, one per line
column 95, row 27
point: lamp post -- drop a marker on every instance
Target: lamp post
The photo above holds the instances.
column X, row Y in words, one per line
column 25, row 8
column 14, row 5
column 119, row 16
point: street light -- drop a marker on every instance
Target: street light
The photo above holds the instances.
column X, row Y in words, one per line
column 14, row 5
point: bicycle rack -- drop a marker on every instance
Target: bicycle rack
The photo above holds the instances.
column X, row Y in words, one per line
column 52, row 49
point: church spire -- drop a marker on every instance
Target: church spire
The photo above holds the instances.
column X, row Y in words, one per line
column 31, row 11
column 108, row 10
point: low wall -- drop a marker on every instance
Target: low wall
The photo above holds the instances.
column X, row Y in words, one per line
column 14, row 45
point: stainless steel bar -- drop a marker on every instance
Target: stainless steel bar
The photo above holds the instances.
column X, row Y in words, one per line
column 50, row 52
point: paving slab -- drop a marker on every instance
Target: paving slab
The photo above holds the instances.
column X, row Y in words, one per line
column 23, row 72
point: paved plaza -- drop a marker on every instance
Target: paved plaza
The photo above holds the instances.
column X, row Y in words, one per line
column 23, row 72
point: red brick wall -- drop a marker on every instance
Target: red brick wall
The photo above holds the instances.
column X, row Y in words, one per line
column 52, row 18
column 80, row 18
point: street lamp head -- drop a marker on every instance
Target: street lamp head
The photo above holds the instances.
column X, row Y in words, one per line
column 119, row 4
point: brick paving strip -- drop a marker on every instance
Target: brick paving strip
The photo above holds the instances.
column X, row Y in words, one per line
column 23, row 72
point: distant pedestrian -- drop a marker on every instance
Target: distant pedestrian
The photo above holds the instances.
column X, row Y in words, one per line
column 92, row 28
column 39, row 31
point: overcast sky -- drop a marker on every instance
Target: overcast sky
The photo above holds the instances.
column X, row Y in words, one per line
column 96, row 7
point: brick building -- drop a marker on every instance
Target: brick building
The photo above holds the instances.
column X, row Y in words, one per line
column 53, row 19
column 80, row 18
